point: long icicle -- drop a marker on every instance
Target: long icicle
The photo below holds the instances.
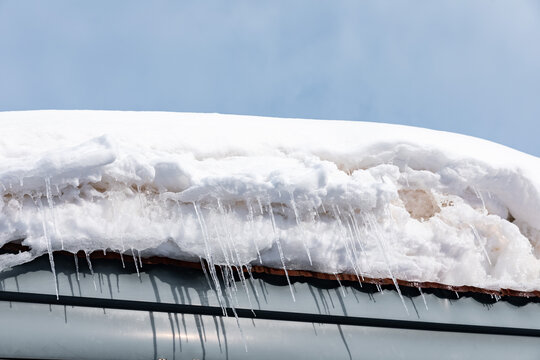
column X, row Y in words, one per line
column 39, row 203
column 278, row 243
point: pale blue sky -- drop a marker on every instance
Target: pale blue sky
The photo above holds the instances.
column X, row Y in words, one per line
column 469, row 66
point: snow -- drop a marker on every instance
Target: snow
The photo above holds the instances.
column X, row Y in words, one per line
column 369, row 199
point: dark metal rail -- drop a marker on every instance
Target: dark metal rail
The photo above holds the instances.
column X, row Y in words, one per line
column 263, row 314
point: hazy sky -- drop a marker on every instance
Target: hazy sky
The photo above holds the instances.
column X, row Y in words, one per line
column 469, row 66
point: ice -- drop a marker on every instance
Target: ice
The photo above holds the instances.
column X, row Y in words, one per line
column 203, row 266
column 340, row 285
column 278, row 244
column 89, row 262
column 135, row 261
column 423, row 297
column 122, row 260
column 298, row 223
column 76, row 259
column 251, row 222
column 379, row 237
column 208, row 256
column 372, row 200
column 39, row 203
column 50, row 202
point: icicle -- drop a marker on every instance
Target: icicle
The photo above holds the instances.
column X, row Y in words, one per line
column 49, row 245
column 350, row 255
column 358, row 238
column 209, row 258
column 248, row 268
column 76, row 266
column 251, row 221
column 232, row 245
column 223, row 250
column 135, row 262
column 478, row 195
column 340, row 285
column 423, row 297
column 379, row 238
column 356, row 228
column 50, row 202
column 280, row 250
column 203, row 266
column 228, row 289
column 260, row 206
column 122, row 259
column 140, row 259
column 227, row 244
column 479, row 239
column 244, row 284
column 295, row 211
column 232, row 286
column 91, row 269
column 457, row 295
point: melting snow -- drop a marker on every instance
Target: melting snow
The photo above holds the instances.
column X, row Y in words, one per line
column 368, row 199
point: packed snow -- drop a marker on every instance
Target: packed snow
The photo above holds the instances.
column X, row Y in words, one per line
column 373, row 200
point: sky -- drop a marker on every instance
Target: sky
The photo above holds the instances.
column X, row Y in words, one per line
column 467, row 66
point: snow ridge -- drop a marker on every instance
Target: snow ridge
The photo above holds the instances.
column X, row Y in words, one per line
column 368, row 199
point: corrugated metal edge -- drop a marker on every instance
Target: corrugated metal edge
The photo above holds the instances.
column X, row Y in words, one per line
column 156, row 260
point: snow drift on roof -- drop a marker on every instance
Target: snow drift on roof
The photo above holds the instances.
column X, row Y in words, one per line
column 368, row 199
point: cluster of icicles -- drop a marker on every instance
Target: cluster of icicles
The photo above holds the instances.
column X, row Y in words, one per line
column 233, row 234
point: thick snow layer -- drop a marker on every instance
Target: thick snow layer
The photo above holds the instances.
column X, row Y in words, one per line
column 370, row 199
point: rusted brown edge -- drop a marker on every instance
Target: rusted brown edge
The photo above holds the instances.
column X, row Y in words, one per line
column 158, row 260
